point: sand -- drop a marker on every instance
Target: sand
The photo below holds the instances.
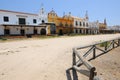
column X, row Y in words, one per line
column 44, row 59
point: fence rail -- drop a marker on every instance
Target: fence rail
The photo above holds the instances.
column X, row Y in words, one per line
column 80, row 59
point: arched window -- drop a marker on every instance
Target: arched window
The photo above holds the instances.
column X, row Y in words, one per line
column 80, row 24
column 87, row 24
column 60, row 24
column 71, row 25
column 66, row 25
column 76, row 23
column 83, row 23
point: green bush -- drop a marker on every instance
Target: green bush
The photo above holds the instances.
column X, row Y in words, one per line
column 3, row 39
column 104, row 44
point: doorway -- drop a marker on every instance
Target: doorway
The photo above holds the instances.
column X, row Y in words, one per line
column 60, row 32
column 6, row 31
column 35, row 31
column 43, row 32
column 22, row 32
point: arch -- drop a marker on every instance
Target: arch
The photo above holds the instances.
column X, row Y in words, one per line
column 43, row 32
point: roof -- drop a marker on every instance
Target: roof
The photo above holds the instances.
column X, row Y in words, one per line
column 53, row 12
column 18, row 12
column 24, row 25
column 77, row 17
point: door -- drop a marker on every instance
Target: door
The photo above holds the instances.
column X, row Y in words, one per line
column 35, row 31
column 60, row 32
column 22, row 32
column 6, row 31
column 43, row 32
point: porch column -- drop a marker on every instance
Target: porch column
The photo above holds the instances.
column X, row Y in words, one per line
column 85, row 31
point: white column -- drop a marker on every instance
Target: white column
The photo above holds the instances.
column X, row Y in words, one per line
column 82, row 31
column 85, row 31
column 75, row 31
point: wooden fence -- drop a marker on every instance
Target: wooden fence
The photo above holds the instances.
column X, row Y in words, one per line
column 81, row 59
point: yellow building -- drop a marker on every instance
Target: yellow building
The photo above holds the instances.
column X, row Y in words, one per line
column 102, row 26
column 64, row 25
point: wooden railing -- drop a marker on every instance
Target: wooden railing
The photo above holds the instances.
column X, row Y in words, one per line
column 80, row 59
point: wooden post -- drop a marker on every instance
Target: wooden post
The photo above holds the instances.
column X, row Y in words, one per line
column 92, row 74
column 113, row 44
column 74, row 58
column 118, row 42
column 94, row 52
column 106, row 46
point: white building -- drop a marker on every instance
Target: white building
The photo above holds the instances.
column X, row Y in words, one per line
column 81, row 25
column 20, row 23
column 94, row 27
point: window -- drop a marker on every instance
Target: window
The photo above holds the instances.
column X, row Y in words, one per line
column 34, row 21
column 87, row 24
column 60, row 24
column 83, row 23
column 76, row 23
column 80, row 24
column 66, row 25
column 6, row 19
column 22, row 21
column 71, row 25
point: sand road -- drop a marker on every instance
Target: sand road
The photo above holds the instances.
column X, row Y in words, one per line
column 46, row 59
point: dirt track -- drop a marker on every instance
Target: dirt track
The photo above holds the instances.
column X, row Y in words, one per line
column 47, row 59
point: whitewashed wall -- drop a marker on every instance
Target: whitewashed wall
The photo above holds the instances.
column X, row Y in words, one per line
column 15, row 30
column 82, row 20
column 13, row 18
column 1, row 30
column 29, row 30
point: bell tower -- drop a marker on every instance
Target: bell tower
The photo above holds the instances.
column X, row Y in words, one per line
column 86, row 15
column 42, row 9
column 42, row 15
column 105, row 21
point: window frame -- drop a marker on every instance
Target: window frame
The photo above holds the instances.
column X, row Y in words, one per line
column 5, row 18
column 34, row 21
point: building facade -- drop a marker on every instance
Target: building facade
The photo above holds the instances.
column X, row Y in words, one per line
column 103, row 26
column 94, row 27
column 81, row 25
column 64, row 25
column 20, row 23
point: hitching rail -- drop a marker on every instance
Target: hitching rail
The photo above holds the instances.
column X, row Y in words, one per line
column 79, row 59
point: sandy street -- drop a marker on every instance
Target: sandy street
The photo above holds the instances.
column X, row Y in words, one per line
column 46, row 59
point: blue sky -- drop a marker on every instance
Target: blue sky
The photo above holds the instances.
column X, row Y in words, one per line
column 97, row 9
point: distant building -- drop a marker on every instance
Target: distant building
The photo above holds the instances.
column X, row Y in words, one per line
column 20, row 23
column 64, row 25
column 102, row 26
column 94, row 27
column 115, row 28
column 81, row 25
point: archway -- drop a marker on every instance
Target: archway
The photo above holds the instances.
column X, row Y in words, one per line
column 60, row 32
column 22, row 31
column 43, row 32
